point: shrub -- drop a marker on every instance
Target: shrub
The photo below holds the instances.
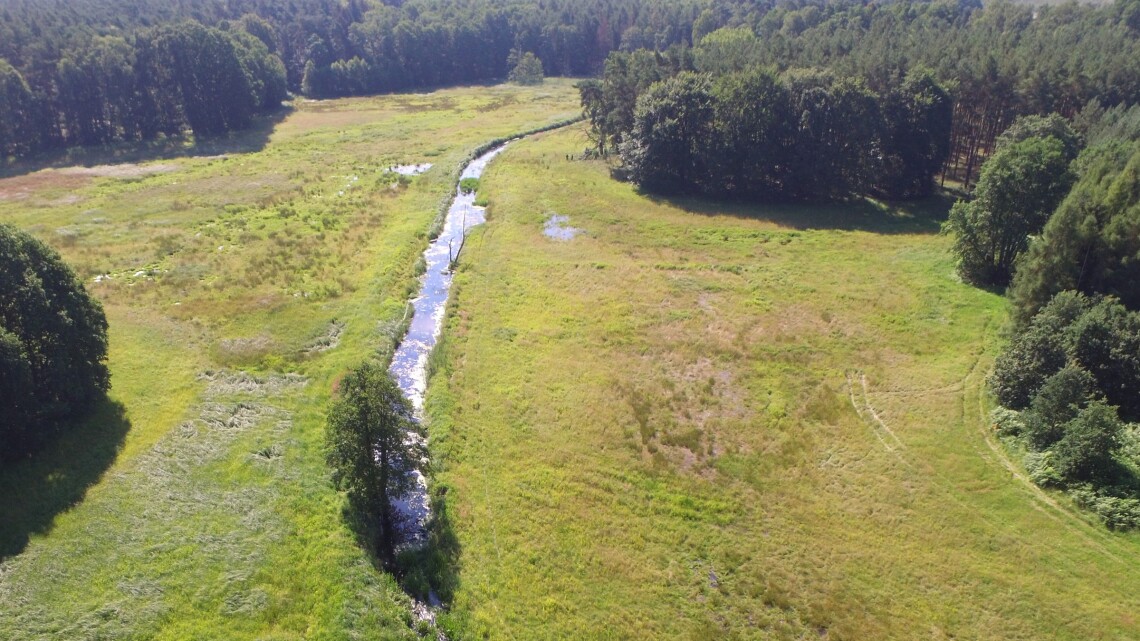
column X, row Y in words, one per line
column 1059, row 400
column 1007, row 422
column 469, row 185
column 1039, row 466
column 1118, row 513
column 1085, row 452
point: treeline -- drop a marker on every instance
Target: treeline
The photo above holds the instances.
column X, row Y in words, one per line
column 997, row 62
column 83, row 72
column 1056, row 217
column 803, row 134
column 159, row 81
column 416, row 44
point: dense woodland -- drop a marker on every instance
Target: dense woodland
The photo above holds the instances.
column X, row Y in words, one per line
column 803, row 134
column 97, row 71
column 996, row 63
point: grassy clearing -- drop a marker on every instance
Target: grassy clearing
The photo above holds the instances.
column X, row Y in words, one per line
column 198, row 504
column 702, row 421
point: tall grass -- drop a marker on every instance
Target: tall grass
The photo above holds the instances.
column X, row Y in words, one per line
column 203, row 508
column 659, row 429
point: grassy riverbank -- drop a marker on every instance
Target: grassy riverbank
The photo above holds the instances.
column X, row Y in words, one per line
column 202, row 507
column 704, row 421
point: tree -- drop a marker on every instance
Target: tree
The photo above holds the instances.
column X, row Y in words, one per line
column 17, row 105
column 1018, row 189
column 1035, row 126
column 836, row 145
column 1037, row 352
column 1060, row 399
column 754, row 124
column 1091, row 439
column 666, row 151
column 53, row 341
column 526, row 70
column 917, row 119
column 1105, row 340
column 1092, row 242
column 369, row 452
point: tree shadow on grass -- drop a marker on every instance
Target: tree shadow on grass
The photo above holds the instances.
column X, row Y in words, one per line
column 865, row 214
column 35, row 490
column 251, row 139
column 431, row 573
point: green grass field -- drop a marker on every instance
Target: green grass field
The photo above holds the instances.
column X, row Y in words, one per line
column 195, row 504
column 692, row 420
column 700, row 421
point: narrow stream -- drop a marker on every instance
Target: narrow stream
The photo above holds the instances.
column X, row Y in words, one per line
column 409, row 364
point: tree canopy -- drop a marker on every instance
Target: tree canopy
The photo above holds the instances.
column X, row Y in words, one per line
column 525, row 69
column 53, row 340
column 369, row 452
column 1019, row 187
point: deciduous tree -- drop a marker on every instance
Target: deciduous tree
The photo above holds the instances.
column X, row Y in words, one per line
column 370, row 452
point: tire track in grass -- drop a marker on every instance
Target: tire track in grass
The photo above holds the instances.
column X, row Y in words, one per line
column 1042, row 502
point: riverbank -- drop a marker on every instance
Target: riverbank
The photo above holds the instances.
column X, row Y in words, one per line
column 703, row 420
column 237, row 288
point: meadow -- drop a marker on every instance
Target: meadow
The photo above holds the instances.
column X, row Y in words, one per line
column 240, row 278
column 695, row 420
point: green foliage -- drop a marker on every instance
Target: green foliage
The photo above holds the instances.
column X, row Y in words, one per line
column 753, row 120
column 915, row 136
column 1035, row 126
column 469, row 185
column 53, row 341
column 726, row 50
column 610, row 103
column 1078, row 360
column 1039, row 467
column 835, row 150
column 1100, row 125
column 1019, row 188
column 1091, row 242
column 805, row 135
column 1117, row 512
column 1062, row 396
column 1097, row 335
column 1007, row 422
column 18, row 135
column 1106, row 340
column 369, row 451
column 526, row 69
column 1036, row 353
column 672, row 125
column 1091, row 438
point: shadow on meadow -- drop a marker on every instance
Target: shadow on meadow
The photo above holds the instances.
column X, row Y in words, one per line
column 878, row 217
column 34, row 491
column 252, row 139
column 431, row 573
